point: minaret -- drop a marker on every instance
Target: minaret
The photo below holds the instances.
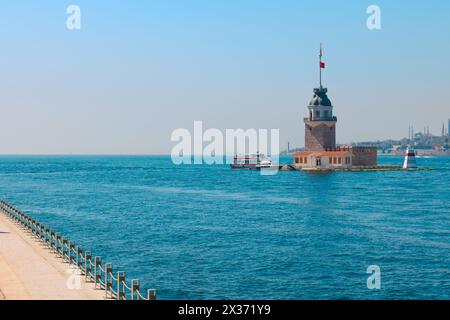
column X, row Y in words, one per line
column 320, row 126
column 448, row 128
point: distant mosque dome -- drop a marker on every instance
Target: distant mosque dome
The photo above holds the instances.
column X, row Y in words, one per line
column 320, row 98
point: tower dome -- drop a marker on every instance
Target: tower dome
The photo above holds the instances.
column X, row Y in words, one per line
column 320, row 98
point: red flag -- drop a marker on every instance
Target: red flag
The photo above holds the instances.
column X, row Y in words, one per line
column 322, row 65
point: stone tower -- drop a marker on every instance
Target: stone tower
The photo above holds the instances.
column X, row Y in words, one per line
column 320, row 126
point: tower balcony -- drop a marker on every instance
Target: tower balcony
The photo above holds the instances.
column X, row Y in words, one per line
column 321, row 119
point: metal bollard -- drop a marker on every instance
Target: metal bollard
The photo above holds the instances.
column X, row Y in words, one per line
column 52, row 240
column 71, row 251
column 151, row 294
column 79, row 254
column 36, row 228
column 87, row 265
column 97, row 266
column 135, row 286
column 108, row 283
column 58, row 243
column 42, row 234
column 120, row 281
column 64, row 248
column 47, row 236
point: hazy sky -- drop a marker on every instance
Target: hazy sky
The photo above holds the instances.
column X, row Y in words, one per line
column 137, row 70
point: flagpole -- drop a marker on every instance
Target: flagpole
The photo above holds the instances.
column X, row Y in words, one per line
column 320, row 66
column 320, row 74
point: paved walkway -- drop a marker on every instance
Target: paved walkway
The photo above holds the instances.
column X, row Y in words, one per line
column 28, row 270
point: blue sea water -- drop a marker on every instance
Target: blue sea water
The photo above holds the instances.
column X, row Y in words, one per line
column 207, row 232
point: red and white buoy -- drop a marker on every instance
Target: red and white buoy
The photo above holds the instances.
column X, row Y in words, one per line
column 410, row 159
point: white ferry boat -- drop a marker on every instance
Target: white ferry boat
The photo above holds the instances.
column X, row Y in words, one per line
column 251, row 162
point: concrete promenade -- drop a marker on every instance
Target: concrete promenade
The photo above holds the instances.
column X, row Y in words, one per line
column 28, row 270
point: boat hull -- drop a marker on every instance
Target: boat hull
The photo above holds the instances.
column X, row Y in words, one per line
column 251, row 167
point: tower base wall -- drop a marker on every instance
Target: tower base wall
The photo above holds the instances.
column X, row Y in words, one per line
column 320, row 135
column 364, row 156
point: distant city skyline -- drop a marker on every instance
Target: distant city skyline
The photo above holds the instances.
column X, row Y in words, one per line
column 136, row 71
